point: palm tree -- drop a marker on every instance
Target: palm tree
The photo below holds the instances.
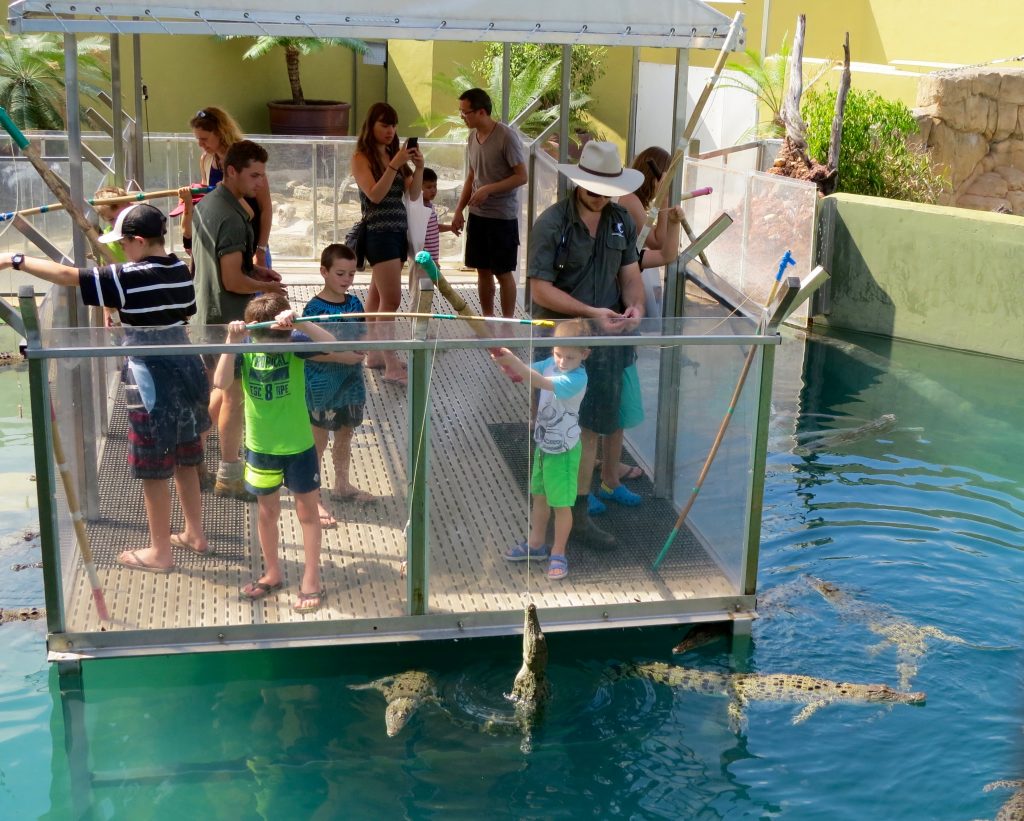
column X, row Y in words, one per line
column 538, row 79
column 766, row 78
column 296, row 47
column 32, row 77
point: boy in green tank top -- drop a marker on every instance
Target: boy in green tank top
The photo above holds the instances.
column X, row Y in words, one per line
column 279, row 447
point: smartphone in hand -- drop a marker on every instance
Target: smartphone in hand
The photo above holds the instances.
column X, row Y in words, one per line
column 412, row 142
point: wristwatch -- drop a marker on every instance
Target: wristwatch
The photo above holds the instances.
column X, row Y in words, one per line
column 16, row 261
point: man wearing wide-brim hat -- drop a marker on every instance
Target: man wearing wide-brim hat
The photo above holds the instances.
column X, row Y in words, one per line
column 583, row 263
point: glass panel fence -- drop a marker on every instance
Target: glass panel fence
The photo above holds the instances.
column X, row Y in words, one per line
column 475, row 475
column 771, row 214
column 314, row 197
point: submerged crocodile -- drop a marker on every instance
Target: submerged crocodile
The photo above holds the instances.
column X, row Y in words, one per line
column 1013, row 808
column 404, row 692
column 828, row 439
column 742, row 688
column 702, row 635
column 909, row 639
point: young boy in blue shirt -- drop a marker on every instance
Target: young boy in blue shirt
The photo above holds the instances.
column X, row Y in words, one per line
column 336, row 390
column 562, row 382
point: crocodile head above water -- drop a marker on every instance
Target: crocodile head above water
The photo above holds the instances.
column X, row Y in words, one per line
column 531, row 684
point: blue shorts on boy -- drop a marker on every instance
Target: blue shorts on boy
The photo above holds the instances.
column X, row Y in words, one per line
column 336, row 393
column 557, row 434
column 266, row 472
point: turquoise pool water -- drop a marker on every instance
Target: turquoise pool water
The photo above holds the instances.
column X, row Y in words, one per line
column 922, row 524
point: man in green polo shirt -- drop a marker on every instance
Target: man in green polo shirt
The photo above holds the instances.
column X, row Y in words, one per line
column 223, row 245
column 583, row 263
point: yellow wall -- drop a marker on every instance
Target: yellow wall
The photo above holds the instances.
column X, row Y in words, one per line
column 937, row 31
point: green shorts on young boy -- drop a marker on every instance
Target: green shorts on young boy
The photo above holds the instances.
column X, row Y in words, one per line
column 555, row 476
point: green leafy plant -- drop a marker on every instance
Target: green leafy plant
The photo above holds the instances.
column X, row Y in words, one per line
column 586, row 67
column 296, row 48
column 530, row 80
column 875, row 157
column 32, row 77
column 766, row 78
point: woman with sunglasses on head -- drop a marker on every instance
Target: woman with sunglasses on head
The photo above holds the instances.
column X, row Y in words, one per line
column 216, row 131
column 380, row 167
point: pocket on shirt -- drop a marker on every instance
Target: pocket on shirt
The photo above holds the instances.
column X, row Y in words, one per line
column 616, row 242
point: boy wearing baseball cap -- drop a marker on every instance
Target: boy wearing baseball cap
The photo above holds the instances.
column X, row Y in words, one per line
column 166, row 396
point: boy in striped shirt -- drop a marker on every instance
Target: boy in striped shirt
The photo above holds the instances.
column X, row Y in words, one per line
column 166, row 396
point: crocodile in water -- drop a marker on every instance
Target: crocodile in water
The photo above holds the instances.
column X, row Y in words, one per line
column 742, row 688
column 404, row 692
column 909, row 639
column 1013, row 808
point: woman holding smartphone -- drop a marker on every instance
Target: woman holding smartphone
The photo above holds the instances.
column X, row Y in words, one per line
column 380, row 169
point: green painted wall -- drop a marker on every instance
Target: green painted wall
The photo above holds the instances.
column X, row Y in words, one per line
column 943, row 276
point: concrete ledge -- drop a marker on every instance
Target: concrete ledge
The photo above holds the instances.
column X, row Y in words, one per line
column 938, row 275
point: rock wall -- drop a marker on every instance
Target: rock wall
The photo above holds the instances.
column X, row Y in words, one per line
column 972, row 121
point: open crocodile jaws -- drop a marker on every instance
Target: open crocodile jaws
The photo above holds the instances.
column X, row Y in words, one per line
column 742, row 688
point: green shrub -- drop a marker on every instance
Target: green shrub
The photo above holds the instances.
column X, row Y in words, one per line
column 875, row 158
column 586, row 67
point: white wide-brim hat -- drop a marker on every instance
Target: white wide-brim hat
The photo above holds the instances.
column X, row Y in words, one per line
column 600, row 171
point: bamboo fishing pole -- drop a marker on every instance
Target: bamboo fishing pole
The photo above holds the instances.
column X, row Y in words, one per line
column 76, row 517
column 57, row 186
column 478, row 324
column 784, row 263
column 137, row 197
column 543, row 323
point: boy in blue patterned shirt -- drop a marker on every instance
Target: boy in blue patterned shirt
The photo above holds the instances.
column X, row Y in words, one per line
column 562, row 382
column 336, row 391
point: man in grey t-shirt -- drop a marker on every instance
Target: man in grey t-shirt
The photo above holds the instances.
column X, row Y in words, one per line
column 495, row 168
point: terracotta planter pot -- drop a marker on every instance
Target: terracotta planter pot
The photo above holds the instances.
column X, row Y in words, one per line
column 317, row 118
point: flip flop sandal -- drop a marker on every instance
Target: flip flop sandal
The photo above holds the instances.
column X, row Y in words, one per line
column 135, row 563
column 177, row 541
column 254, row 591
column 305, row 604
column 632, row 472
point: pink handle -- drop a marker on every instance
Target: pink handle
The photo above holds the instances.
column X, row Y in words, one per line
column 698, row 192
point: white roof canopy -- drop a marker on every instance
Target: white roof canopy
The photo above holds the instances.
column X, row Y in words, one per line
column 668, row 23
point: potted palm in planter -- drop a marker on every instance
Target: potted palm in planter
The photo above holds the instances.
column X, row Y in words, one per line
column 299, row 115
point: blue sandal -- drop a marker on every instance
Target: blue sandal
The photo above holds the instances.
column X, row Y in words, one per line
column 621, row 495
column 522, row 551
column 558, row 567
column 595, row 507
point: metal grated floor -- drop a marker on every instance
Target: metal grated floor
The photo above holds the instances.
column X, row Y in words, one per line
column 478, row 506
